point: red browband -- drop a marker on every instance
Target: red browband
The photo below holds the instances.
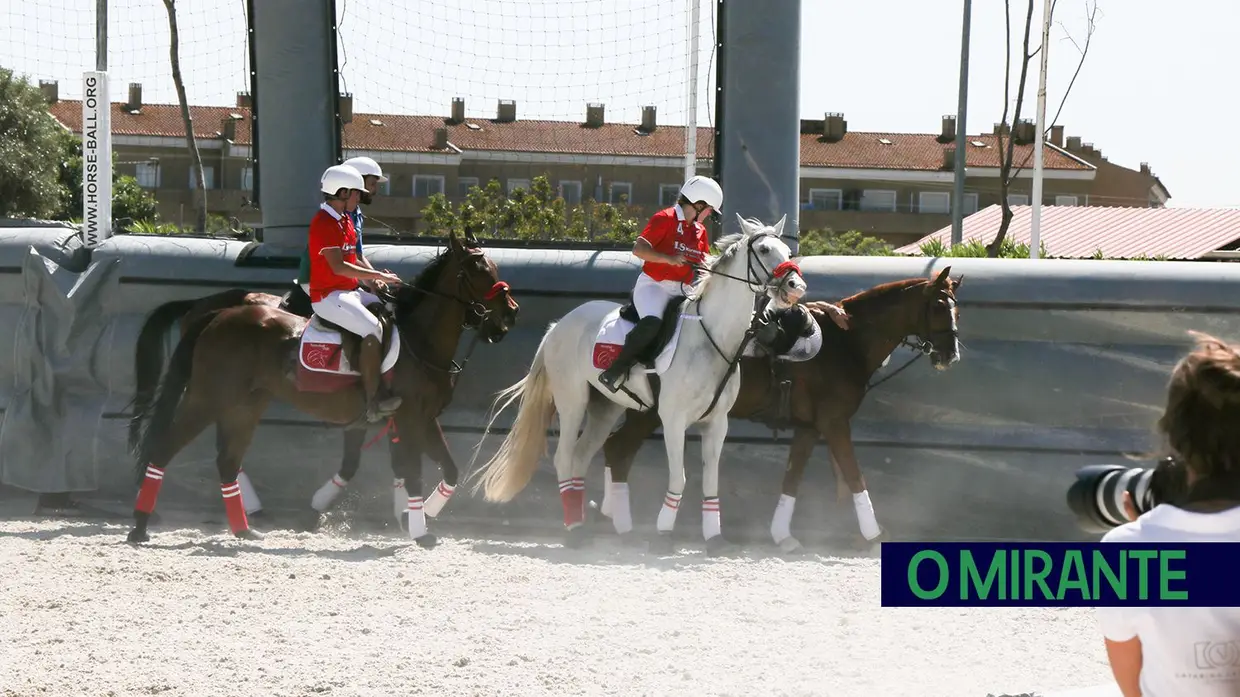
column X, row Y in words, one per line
column 785, row 267
column 496, row 289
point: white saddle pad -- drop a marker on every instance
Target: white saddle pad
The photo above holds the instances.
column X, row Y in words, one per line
column 320, row 351
column 611, row 336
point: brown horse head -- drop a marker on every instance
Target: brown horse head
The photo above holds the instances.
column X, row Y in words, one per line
column 936, row 319
column 464, row 273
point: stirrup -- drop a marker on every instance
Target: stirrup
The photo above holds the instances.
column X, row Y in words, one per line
column 610, row 382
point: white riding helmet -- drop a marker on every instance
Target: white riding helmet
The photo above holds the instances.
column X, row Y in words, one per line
column 703, row 189
column 365, row 166
column 339, row 177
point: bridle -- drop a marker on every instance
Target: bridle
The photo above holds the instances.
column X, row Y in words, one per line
column 923, row 346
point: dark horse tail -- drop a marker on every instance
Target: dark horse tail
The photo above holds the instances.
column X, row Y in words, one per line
column 152, row 420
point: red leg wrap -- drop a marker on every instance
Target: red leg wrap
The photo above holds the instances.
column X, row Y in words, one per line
column 574, row 502
column 150, row 489
column 232, row 505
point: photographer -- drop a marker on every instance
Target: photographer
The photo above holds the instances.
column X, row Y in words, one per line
column 1158, row 651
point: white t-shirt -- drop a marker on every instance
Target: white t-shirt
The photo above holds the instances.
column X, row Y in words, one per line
column 1184, row 650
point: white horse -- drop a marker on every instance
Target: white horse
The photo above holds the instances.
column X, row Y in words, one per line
column 698, row 376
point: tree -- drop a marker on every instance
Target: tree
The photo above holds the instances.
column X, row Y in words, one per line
column 533, row 214
column 195, row 157
column 130, row 202
column 32, row 149
column 1007, row 173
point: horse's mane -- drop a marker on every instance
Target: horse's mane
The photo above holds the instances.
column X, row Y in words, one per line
column 410, row 296
column 728, row 245
column 867, row 300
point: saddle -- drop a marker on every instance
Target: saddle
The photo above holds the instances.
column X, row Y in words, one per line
column 297, row 302
column 667, row 327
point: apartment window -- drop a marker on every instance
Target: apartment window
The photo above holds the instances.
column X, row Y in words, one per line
column 208, row 173
column 515, row 185
column 970, row 204
column 668, row 194
column 570, row 191
column 1018, row 199
column 247, row 178
column 147, row 175
column 621, row 193
column 878, row 200
column 826, row 199
column 464, row 184
column 934, row 202
column 1065, row 201
column 427, row 185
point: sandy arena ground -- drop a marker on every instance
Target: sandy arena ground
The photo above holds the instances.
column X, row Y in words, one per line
column 197, row 612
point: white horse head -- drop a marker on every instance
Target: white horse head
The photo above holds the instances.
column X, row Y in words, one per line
column 766, row 266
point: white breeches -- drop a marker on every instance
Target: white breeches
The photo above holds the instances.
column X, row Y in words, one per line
column 650, row 297
column 347, row 308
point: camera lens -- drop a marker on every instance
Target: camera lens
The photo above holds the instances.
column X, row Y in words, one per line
column 1097, row 496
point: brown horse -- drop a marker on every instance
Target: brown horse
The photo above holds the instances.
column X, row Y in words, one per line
column 234, row 359
column 825, row 391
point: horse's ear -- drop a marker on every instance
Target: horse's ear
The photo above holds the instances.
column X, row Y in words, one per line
column 956, row 282
column 779, row 227
column 744, row 225
column 454, row 240
column 942, row 276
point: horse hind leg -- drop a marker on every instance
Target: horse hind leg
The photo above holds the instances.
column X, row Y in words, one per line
column 601, row 418
column 192, row 418
column 236, row 429
column 572, row 488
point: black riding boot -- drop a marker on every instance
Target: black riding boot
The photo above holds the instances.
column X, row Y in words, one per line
column 638, row 340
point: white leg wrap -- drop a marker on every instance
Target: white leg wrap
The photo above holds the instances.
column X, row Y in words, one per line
column 865, row 515
column 781, row 523
column 400, row 499
column 249, row 497
column 711, row 526
column 606, row 505
column 417, row 518
column 327, row 494
column 667, row 514
column 621, row 516
column 438, row 499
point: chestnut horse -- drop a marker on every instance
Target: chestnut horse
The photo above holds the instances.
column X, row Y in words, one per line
column 824, row 391
column 240, row 352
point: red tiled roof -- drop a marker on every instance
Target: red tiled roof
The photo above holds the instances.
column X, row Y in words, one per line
column 406, row 133
column 1121, row 233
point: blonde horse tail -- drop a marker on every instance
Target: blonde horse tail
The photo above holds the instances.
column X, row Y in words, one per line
column 512, row 467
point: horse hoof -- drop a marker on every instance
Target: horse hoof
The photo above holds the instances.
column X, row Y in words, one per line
column 136, row 535
column 576, row 538
column 248, row 534
column 718, row 546
column 872, row 546
column 312, row 521
column 790, row 545
column 662, row 544
column 427, row 541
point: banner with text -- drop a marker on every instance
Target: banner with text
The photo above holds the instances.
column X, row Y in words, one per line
column 1058, row 574
column 96, row 159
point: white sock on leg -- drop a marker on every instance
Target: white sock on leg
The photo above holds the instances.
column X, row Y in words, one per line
column 605, row 506
column 400, row 499
column 249, row 497
column 711, row 526
column 417, row 518
column 667, row 514
column 865, row 515
column 438, row 499
column 781, row 523
column 326, row 495
column 621, row 516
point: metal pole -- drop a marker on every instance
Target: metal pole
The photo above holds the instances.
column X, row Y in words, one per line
column 695, row 20
column 961, row 150
column 1035, row 219
column 101, row 36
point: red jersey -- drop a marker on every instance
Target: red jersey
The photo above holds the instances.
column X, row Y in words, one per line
column 671, row 234
column 327, row 231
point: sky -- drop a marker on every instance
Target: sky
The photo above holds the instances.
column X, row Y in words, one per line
column 1157, row 84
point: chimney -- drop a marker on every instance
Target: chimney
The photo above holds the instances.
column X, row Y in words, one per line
column 244, row 101
column 1145, row 169
column 228, row 127
column 135, row 96
column 1057, row 135
column 594, row 114
column 506, row 111
column 948, row 131
column 1025, row 131
column 834, row 127
column 1001, row 128
column 1074, row 143
column 649, row 122
column 441, row 139
column 344, row 103
column 50, row 90
column 458, row 110
column 949, row 158
column 1087, row 148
